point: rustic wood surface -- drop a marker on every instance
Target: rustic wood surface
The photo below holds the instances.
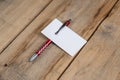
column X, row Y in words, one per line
column 100, row 58
column 95, row 20
column 15, row 15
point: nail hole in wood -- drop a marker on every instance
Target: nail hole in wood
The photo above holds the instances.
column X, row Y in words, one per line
column 5, row 65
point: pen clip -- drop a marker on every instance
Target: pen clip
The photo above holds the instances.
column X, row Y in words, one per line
column 65, row 24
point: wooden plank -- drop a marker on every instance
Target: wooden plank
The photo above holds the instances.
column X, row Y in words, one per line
column 15, row 15
column 100, row 59
column 86, row 16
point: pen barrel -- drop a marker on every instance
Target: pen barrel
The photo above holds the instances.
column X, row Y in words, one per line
column 48, row 42
column 67, row 23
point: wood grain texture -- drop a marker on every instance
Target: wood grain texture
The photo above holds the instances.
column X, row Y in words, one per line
column 100, row 58
column 15, row 15
column 86, row 16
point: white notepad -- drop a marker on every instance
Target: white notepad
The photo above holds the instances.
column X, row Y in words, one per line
column 66, row 39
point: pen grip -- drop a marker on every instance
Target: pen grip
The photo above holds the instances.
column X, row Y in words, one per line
column 47, row 43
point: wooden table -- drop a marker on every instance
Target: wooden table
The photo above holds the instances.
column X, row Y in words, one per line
column 98, row 21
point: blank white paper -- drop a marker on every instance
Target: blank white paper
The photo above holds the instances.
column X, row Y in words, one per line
column 66, row 39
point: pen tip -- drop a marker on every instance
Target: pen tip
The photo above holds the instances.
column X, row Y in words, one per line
column 33, row 57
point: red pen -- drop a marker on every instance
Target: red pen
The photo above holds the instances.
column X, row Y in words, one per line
column 48, row 42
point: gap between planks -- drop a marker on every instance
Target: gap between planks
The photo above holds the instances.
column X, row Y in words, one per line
column 88, row 39
column 68, row 63
column 27, row 25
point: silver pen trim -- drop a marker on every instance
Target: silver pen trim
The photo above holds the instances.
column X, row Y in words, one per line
column 33, row 57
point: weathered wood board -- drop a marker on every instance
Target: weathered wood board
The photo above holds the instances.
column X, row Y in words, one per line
column 15, row 16
column 100, row 58
column 86, row 16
